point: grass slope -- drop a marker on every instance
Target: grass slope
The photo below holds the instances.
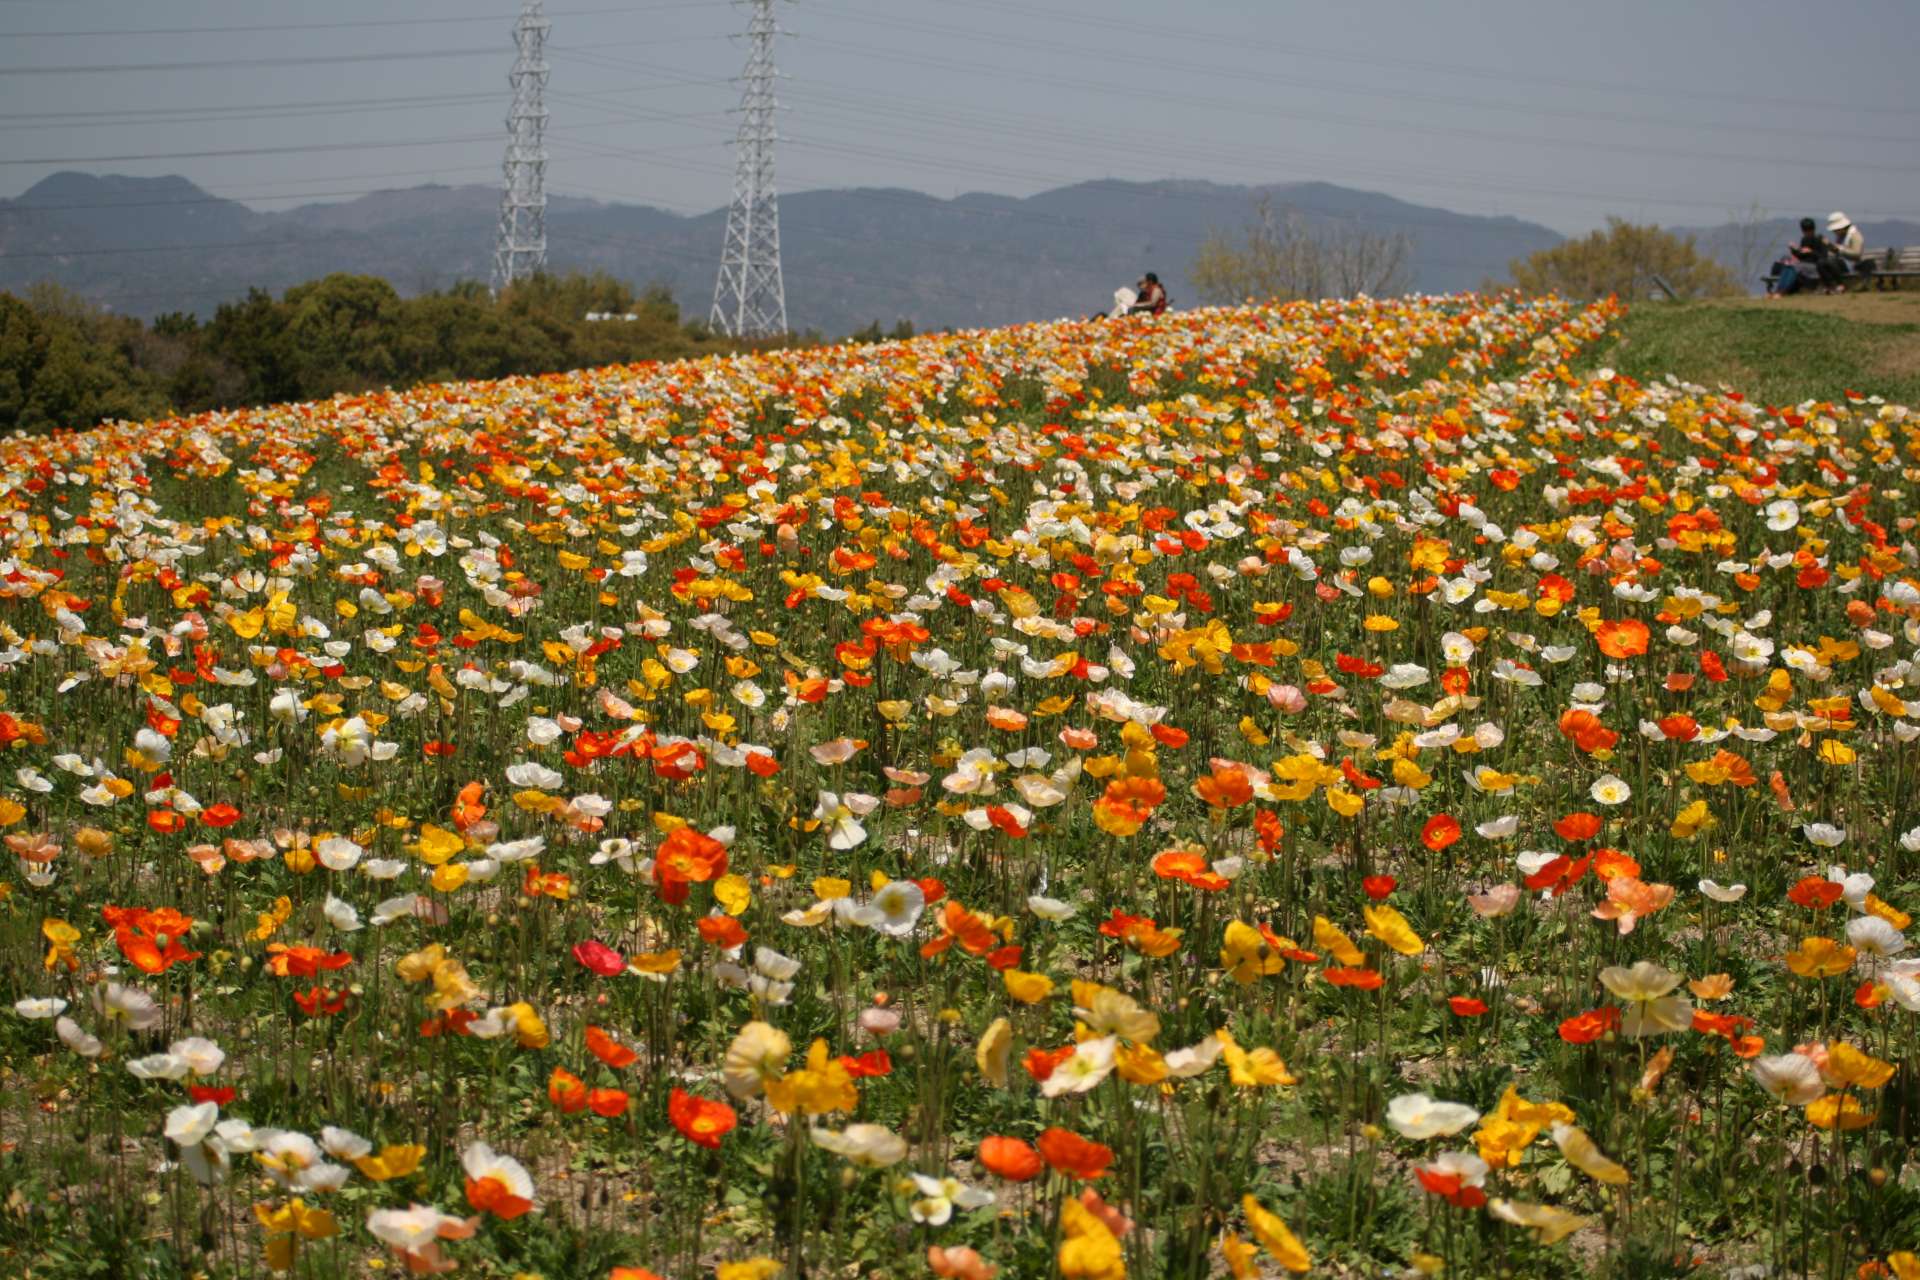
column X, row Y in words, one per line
column 1780, row 352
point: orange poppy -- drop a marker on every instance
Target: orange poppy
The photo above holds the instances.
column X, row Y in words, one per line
column 1010, row 1158
column 1440, row 831
column 1041, row 1062
column 1227, row 787
column 608, row 1050
column 1069, row 1153
column 467, row 808
column 1584, row 730
column 1624, row 638
column 566, row 1091
column 700, row 1120
column 690, row 855
column 1585, row 1028
column 1577, row 826
column 723, row 931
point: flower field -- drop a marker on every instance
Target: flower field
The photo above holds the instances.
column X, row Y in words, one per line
column 1342, row 788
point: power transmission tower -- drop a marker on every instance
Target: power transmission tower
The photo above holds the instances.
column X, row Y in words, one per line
column 521, row 248
column 749, row 298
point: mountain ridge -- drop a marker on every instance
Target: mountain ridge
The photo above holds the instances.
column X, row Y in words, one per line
column 146, row 246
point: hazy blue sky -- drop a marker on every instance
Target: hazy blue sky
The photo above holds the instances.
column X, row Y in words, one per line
column 1673, row 112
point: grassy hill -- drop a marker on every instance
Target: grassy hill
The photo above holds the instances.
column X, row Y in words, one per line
column 1777, row 352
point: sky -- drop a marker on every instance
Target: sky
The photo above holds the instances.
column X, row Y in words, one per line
column 1668, row 111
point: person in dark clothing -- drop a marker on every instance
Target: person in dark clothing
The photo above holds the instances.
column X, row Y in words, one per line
column 1802, row 265
column 1152, row 297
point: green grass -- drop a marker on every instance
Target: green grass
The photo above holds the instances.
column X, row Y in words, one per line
column 1776, row 353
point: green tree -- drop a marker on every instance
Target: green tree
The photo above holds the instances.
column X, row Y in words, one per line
column 65, row 363
column 251, row 336
column 343, row 330
column 1627, row 260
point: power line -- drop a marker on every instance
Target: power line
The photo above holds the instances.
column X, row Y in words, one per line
column 253, row 151
column 177, row 116
column 344, row 26
column 1344, row 87
column 1640, row 148
column 159, row 248
column 305, row 60
column 1080, row 20
column 1340, row 169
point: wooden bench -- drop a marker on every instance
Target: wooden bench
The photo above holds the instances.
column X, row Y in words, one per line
column 1886, row 268
column 1891, row 266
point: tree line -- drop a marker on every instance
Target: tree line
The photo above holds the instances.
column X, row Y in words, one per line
column 1279, row 255
column 65, row 362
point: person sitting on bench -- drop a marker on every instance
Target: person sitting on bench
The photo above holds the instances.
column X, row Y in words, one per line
column 1802, row 262
column 1849, row 250
column 1152, row 297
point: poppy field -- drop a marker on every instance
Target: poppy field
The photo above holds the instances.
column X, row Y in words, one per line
column 1346, row 788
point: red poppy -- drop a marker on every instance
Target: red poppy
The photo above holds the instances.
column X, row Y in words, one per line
column 689, row 855
column 220, row 815
column 212, row 1093
column 1577, row 826
column 1073, row 1155
column 1585, row 1028
column 1440, row 831
column 1379, row 887
column 1450, row 1187
column 566, row 1091
column 1041, row 1062
column 874, row 1062
column 607, row 1102
column 1679, row 728
column 608, row 1050
column 1363, row 978
column 1003, row 821
column 1466, row 1006
column 599, row 957
column 303, row 962
column 490, row 1195
column 1815, row 893
column 723, row 931
column 320, row 1001
column 1010, row 1158
column 1583, row 728
column 700, row 1120
column 1559, row 875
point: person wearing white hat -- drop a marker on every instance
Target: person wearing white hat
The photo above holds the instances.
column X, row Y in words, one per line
column 1849, row 247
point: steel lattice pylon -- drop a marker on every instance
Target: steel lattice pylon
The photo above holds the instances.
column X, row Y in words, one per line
column 749, row 298
column 521, row 247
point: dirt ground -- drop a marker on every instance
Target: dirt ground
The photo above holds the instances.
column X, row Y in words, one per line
column 1874, row 306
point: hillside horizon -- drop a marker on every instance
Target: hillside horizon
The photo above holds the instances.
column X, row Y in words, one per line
column 852, row 256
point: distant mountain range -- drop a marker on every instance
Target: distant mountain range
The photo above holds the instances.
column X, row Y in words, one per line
column 145, row 246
